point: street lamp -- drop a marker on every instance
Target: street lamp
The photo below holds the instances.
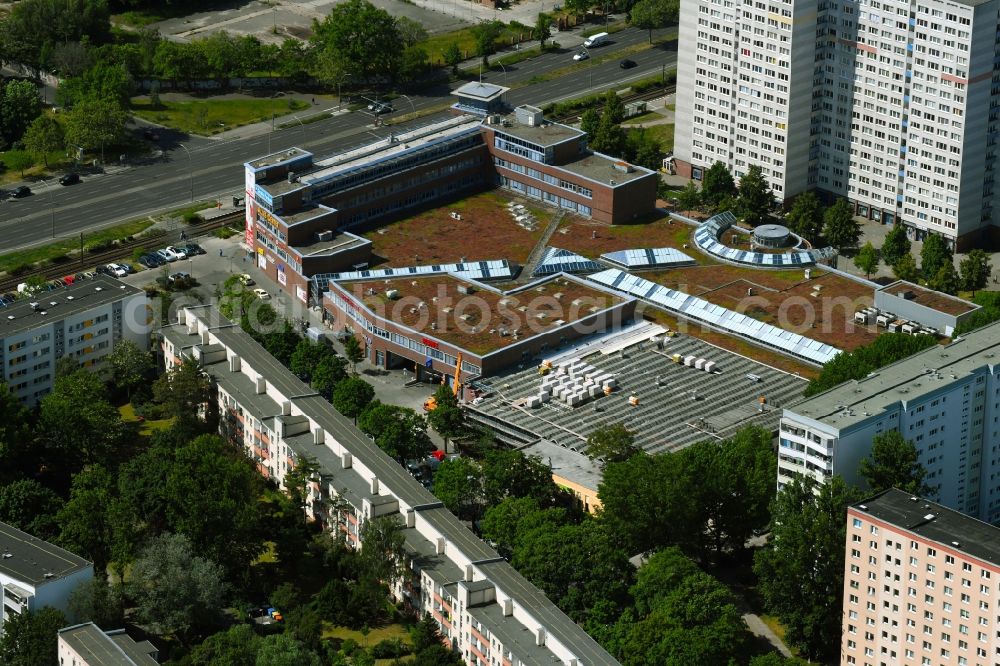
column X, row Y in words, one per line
column 504, row 73
column 191, row 167
column 413, row 107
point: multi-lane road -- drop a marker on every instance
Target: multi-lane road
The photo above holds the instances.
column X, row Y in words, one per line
column 211, row 167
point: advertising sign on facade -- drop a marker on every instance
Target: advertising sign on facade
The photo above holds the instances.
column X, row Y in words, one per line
column 248, row 232
column 263, row 196
column 302, row 293
column 262, row 261
column 282, row 278
column 430, row 343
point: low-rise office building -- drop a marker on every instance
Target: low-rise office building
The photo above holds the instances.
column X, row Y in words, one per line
column 428, row 323
column 83, row 321
column 35, row 573
column 486, row 610
column 920, row 585
column 934, row 309
column 945, row 399
column 87, row 645
column 299, row 207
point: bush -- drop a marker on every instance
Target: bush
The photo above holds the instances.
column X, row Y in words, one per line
column 349, row 646
column 224, row 232
column 191, row 217
column 21, row 269
column 59, row 258
column 389, row 648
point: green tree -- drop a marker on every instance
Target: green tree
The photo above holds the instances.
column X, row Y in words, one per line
column 895, row 245
column 236, row 646
column 183, row 391
column 19, row 106
column 485, row 35
column 129, row 365
column 410, row 32
column 717, row 184
column 509, row 473
column 975, row 270
column 933, row 255
column 19, row 160
column 755, row 199
column 447, row 418
column 28, row 505
column 283, row 650
column 103, row 81
column 609, row 137
column 857, row 364
column 659, row 576
column 176, row 590
column 328, row 373
column 611, row 443
column 452, row 56
column 353, row 352
column 351, row 396
column 651, row 14
column 579, row 567
column 78, row 425
column 543, row 29
column 808, row 532
column 867, row 259
column 85, row 526
column 94, row 123
column 358, row 39
column 507, row 522
column 99, row 602
column 905, row 268
column 806, row 216
column 613, row 107
column 30, row 639
column 306, row 357
column 399, row 431
column 945, row 280
column 689, row 198
column 35, row 27
column 458, row 483
column 43, row 136
column 589, row 121
column 413, row 62
column 839, row 227
column 894, row 463
column 383, row 552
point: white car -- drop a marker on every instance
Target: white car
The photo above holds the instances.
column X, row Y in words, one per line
column 582, row 55
column 168, row 254
column 179, row 251
column 261, row 294
column 116, row 270
column 246, row 280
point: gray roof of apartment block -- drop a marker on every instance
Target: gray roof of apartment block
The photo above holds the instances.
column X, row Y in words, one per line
column 930, row 520
column 33, row 560
column 60, row 303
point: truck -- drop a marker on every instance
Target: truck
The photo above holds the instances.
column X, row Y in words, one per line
column 599, row 39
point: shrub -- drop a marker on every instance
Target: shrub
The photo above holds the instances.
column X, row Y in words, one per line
column 389, row 648
column 192, row 217
column 21, row 269
column 59, row 258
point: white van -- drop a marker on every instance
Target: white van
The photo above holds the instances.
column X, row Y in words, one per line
column 597, row 40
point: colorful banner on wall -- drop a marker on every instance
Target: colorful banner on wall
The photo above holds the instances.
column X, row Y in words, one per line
column 302, row 293
column 250, row 185
column 282, row 278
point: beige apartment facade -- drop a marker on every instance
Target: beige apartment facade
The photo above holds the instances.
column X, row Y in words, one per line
column 921, row 585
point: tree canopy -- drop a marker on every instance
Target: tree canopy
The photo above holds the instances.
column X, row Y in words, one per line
column 30, row 639
column 975, row 270
column 895, row 245
column 894, row 463
column 399, row 431
column 858, row 363
column 755, row 200
column 805, row 217
column 867, row 259
column 934, row 255
column 611, row 443
column 839, row 226
column 717, row 184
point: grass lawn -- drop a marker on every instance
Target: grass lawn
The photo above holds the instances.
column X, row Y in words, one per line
column 647, row 117
column 213, row 116
column 148, row 427
column 10, row 175
column 269, row 556
column 664, row 134
column 376, row 635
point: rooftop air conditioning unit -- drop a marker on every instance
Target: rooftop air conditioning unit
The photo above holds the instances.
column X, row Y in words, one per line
column 323, row 236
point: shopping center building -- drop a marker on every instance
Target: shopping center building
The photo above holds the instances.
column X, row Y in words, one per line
column 299, row 208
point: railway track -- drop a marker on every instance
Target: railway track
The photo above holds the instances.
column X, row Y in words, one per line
column 123, row 250
column 626, row 99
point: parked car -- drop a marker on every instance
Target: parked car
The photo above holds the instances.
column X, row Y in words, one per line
column 20, row 191
column 193, row 249
column 116, row 271
column 582, row 55
column 178, row 277
column 627, row 64
column 178, row 250
column 261, row 294
column 246, row 280
column 167, row 254
column 151, row 260
column 69, row 179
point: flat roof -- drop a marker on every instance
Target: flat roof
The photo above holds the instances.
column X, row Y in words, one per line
column 33, row 560
column 304, row 214
column 601, row 168
column 62, row 302
column 280, row 157
column 678, row 405
column 479, row 90
column 340, row 241
column 952, row 529
column 97, row 648
column 856, row 401
column 546, row 134
column 935, row 300
column 566, row 463
column 477, row 321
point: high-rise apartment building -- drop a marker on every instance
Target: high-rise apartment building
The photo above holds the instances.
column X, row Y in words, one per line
column 946, row 400
column 892, row 104
column 921, row 585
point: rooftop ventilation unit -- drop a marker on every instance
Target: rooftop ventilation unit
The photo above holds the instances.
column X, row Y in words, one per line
column 324, row 236
column 929, row 516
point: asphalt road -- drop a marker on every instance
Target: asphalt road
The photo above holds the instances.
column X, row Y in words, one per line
column 199, row 168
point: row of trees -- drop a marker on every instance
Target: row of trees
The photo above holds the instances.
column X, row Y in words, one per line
column 606, row 135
